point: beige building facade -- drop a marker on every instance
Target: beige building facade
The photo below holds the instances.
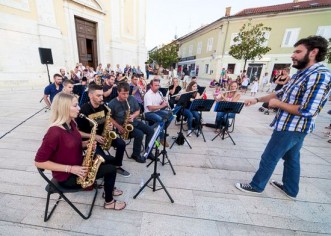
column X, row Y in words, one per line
column 86, row 31
column 206, row 50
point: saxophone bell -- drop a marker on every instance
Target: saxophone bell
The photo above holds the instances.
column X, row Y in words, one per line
column 108, row 134
column 127, row 126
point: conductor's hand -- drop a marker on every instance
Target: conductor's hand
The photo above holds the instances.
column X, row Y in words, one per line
column 274, row 103
column 250, row 101
column 80, row 171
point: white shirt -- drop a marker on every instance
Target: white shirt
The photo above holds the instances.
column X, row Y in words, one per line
column 152, row 99
column 265, row 79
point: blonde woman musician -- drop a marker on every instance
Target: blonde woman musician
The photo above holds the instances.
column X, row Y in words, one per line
column 231, row 96
column 61, row 151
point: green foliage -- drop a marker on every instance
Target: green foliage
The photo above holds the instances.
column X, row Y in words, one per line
column 165, row 56
column 328, row 55
column 248, row 44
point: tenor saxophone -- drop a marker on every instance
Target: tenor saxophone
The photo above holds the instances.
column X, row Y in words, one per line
column 93, row 165
column 107, row 134
column 127, row 126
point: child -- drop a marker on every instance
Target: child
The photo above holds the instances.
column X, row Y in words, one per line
column 255, row 87
column 217, row 91
column 213, row 83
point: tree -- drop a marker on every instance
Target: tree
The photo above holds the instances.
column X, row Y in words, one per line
column 328, row 55
column 249, row 43
column 166, row 55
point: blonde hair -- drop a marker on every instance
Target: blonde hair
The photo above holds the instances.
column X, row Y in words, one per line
column 61, row 108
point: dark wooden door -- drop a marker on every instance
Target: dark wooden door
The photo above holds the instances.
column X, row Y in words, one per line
column 86, row 42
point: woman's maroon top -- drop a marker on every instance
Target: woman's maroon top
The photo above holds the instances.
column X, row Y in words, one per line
column 62, row 147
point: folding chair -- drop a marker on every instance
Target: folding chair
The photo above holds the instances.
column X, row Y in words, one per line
column 53, row 187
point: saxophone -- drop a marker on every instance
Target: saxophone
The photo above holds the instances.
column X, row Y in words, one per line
column 128, row 127
column 93, row 165
column 107, row 134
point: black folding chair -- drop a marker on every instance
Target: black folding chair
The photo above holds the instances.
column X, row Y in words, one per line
column 53, row 187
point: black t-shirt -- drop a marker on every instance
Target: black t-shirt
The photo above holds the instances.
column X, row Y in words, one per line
column 97, row 114
column 177, row 90
column 112, row 95
column 119, row 109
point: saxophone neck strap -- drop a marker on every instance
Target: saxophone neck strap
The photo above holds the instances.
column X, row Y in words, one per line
column 67, row 127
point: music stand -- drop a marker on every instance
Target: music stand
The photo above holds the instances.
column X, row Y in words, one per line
column 227, row 107
column 201, row 105
column 154, row 176
column 164, row 91
column 183, row 100
column 201, row 90
column 164, row 152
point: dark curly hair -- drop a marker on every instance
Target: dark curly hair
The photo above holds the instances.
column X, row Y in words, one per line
column 312, row 42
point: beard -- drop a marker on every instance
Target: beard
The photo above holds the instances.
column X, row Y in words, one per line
column 301, row 64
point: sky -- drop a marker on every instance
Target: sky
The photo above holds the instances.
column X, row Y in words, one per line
column 167, row 18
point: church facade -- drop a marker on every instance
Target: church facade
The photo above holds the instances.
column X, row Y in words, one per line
column 86, row 31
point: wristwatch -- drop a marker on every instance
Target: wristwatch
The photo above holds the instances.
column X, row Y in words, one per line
column 257, row 100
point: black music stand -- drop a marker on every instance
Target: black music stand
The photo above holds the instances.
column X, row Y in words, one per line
column 227, row 107
column 201, row 89
column 164, row 91
column 183, row 100
column 164, row 152
column 201, row 105
column 154, row 176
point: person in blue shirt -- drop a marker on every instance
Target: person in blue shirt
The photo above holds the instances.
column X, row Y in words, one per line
column 298, row 103
column 51, row 90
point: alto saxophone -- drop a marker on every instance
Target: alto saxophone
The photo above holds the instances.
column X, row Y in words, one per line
column 127, row 126
column 107, row 134
column 93, row 165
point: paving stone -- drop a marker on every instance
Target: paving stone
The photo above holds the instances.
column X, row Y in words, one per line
column 206, row 201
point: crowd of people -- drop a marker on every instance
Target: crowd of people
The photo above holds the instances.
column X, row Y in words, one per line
column 117, row 99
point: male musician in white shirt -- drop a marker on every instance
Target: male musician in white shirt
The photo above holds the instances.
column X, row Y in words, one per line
column 153, row 105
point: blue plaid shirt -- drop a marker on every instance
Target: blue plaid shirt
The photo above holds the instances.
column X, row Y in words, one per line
column 308, row 88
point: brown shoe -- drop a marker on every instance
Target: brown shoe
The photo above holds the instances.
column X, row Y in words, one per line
column 164, row 143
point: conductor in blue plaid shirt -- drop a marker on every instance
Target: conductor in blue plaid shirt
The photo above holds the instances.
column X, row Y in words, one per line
column 298, row 103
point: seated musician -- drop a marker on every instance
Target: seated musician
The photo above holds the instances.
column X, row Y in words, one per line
column 119, row 107
column 138, row 91
column 80, row 88
column 109, row 89
column 51, row 90
column 96, row 110
column 231, row 96
column 192, row 86
column 68, row 86
column 61, row 151
column 154, row 104
column 173, row 90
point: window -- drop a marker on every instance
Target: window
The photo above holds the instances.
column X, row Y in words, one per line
column 210, row 44
column 266, row 36
column 232, row 38
column 199, row 47
column 231, row 68
column 206, row 68
column 190, row 50
column 183, row 52
column 290, row 37
column 324, row 31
